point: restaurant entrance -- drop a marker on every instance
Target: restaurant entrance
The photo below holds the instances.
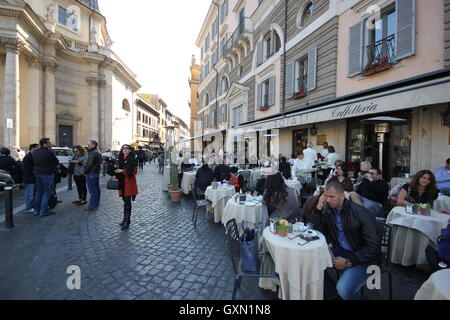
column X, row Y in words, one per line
column 300, row 140
column 362, row 145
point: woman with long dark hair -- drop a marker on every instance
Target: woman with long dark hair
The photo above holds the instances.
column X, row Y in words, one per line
column 78, row 164
column 127, row 169
column 421, row 189
column 281, row 200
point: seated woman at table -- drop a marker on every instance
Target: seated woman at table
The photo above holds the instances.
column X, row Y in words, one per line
column 281, row 201
column 222, row 172
column 421, row 189
column 203, row 179
column 237, row 179
column 285, row 168
column 341, row 178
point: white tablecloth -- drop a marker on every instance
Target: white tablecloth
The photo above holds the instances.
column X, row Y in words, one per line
column 219, row 197
column 252, row 216
column 413, row 233
column 300, row 268
column 188, row 180
column 435, row 288
column 443, row 202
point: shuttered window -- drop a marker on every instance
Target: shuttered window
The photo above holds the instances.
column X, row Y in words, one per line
column 355, row 49
column 312, row 69
column 406, row 28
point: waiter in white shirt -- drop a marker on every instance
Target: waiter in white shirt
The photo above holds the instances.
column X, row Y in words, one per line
column 325, row 152
column 301, row 165
column 310, row 154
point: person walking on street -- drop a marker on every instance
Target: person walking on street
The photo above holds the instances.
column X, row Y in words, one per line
column 161, row 163
column 78, row 163
column 45, row 163
column 140, row 154
column 92, row 172
column 126, row 174
column 29, row 179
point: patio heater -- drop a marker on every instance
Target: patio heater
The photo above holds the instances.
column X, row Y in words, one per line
column 382, row 127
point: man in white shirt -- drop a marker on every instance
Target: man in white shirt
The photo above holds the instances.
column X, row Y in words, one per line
column 292, row 160
column 300, row 166
column 193, row 160
column 332, row 157
column 310, row 154
column 325, row 152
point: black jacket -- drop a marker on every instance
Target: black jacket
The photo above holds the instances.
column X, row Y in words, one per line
column 374, row 190
column 8, row 164
column 27, row 163
column 222, row 172
column 204, row 178
column 45, row 162
column 94, row 162
column 360, row 228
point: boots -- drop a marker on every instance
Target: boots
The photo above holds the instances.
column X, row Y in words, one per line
column 126, row 221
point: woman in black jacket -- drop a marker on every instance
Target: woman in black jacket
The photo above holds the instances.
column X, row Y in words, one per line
column 203, row 179
column 285, row 168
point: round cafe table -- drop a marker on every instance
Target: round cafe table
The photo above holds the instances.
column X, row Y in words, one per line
column 219, row 198
column 188, row 180
column 252, row 216
column 443, row 203
column 413, row 233
column 435, row 288
column 300, row 268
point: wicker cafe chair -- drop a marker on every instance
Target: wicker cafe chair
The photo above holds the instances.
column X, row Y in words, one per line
column 197, row 205
column 265, row 267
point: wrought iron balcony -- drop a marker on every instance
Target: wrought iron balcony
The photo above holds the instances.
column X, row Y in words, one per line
column 243, row 28
column 380, row 55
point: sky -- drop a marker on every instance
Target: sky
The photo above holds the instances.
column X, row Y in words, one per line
column 156, row 39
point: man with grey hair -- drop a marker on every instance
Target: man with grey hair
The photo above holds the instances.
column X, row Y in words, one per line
column 92, row 172
column 351, row 232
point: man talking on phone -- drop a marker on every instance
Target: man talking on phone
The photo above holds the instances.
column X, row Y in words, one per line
column 351, row 232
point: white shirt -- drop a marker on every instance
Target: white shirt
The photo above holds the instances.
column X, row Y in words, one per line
column 332, row 157
column 311, row 154
column 291, row 161
column 300, row 166
column 20, row 155
column 193, row 161
column 325, row 153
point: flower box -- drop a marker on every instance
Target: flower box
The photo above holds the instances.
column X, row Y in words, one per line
column 299, row 95
column 264, row 108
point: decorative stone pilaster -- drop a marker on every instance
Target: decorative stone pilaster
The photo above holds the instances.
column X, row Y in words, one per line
column 11, row 107
column 93, row 83
column 101, row 101
column 50, row 100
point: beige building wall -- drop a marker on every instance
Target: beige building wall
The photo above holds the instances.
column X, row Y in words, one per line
column 429, row 49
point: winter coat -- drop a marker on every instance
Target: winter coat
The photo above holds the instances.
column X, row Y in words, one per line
column 27, row 163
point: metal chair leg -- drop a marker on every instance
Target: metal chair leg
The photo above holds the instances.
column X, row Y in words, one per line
column 390, row 285
column 235, row 288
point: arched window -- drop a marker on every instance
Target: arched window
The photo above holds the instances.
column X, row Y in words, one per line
column 271, row 44
column 126, row 105
column 305, row 14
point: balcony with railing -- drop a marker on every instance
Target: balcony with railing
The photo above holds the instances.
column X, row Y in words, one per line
column 301, row 89
column 380, row 56
column 243, row 35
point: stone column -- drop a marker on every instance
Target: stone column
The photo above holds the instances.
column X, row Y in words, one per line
column 32, row 112
column 50, row 96
column 11, row 104
column 101, row 100
column 94, row 108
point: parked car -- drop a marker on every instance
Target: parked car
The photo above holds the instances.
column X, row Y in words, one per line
column 64, row 155
column 7, row 180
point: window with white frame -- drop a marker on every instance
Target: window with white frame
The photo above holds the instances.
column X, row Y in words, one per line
column 301, row 74
column 223, row 11
column 237, row 116
column 68, row 19
column 305, row 15
column 266, row 48
column 266, row 93
column 223, row 88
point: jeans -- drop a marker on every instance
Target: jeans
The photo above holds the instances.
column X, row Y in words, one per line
column 29, row 196
column 44, row 189
column 93, row 183
column 374, row 207
column 350, row 282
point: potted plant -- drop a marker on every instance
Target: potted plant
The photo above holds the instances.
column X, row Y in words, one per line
column 175, row 191
column 299, row 94
column 264, row 108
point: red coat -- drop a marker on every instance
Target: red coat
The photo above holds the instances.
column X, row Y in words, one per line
column 131, row 188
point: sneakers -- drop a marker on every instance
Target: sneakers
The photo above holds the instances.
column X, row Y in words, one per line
column 29, row 211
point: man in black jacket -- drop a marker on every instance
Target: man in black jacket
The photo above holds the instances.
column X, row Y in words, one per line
column 352, row 235
column 29, row 179
column 372, row 192
column 45, row 163
column 92, row 172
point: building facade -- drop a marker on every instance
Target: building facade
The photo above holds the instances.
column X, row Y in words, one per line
column 59, row 77
column 147, row 123
column 269, row 85
column 194, row 83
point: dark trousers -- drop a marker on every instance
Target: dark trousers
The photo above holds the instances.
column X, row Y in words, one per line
column 80, row 182
column 127, row 210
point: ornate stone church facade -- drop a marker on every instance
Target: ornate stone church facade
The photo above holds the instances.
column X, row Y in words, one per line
column 59, row 77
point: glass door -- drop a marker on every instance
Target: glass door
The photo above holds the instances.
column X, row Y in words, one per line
column 300, row 140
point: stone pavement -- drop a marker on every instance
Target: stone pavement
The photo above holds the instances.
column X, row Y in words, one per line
column 161, row 256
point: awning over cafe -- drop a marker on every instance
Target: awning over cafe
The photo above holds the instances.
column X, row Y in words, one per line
column 425, row 93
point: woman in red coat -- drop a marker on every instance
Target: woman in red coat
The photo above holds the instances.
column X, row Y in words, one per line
column 126, row 174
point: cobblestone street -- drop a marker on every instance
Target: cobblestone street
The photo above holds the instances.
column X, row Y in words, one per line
column 160, row 257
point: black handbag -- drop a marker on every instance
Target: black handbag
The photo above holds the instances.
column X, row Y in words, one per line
column 63, row 172
column 113, row 184
column 71, row 169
